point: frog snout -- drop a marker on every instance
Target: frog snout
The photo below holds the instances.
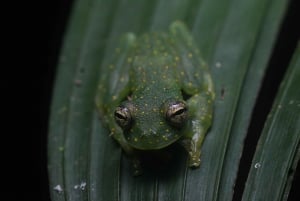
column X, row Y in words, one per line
column 151, row 132
column 151, row 139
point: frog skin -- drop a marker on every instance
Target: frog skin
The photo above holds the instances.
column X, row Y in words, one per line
column 157, row 91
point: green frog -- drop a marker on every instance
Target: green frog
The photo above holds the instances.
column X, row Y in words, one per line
column 157, row 91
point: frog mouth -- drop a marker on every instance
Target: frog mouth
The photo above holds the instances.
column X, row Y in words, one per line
column 152, row 142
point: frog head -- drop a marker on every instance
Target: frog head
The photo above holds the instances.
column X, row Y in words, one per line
column 153, row 124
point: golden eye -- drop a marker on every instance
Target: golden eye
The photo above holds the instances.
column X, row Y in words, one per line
column 123, row 117
column 176, row 113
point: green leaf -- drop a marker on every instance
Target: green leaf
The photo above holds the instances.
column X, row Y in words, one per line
column 252, row 82
column 277, row 152
column 236, row 39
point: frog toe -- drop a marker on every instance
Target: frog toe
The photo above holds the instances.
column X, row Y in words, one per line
column 194, row 159
column 137, row 169
column 137, row 172
column 194, row 162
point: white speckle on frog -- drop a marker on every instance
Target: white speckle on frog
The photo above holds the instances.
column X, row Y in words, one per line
column 257, row 165
column 279, row 106
column 291, row 102
column 58, row 189
column 80, row 186
column 218, row 64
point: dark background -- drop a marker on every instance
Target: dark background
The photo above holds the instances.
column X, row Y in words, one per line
column 31, row 35
column 56, row 17
column 48, row 27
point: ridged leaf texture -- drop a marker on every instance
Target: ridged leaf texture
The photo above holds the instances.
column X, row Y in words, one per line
column 236, row 38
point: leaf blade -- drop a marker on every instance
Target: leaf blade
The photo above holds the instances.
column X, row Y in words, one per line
column 251, row 87
column 279, row 141
column 232, row 51
column 106, row 174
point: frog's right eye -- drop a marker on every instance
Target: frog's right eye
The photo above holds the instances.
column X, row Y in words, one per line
column 123, row 117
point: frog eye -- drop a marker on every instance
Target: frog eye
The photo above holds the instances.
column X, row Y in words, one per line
column 176, row 113
column 123, row 117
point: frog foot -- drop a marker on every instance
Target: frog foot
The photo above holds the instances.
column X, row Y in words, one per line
column 194, row 159
column 137, row 168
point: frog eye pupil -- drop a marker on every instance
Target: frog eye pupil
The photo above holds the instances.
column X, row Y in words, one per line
column 179, row 111
column 120, row 116
column 176, row 114
column 123, row 117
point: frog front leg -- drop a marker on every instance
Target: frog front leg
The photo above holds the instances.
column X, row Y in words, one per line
column 198, row 86
column 200, row 108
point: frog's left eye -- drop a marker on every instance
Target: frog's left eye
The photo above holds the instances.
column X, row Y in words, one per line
column 123, row 117
column 176, row 113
